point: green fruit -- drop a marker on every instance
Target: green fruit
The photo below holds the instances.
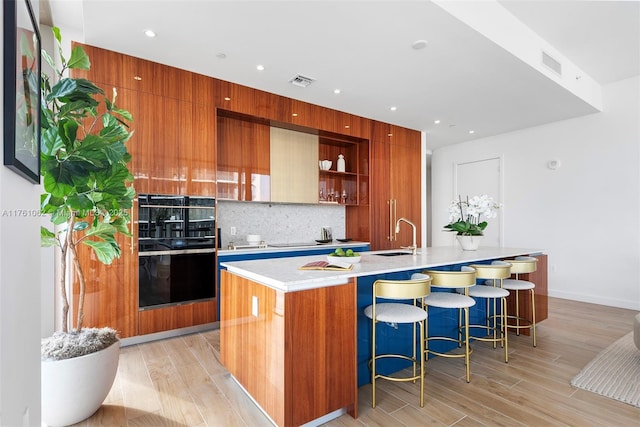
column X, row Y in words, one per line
column 349, row 252
column 339, row 252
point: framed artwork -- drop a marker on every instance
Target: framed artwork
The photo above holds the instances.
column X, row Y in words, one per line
column 21, row 89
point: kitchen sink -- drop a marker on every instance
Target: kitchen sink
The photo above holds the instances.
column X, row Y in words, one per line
column 393, row 253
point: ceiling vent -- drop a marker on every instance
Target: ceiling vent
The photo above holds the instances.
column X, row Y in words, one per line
column 553, row 64
column 300, row 80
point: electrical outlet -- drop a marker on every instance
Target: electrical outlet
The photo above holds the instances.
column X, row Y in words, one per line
column 254, row 306
column 232, row 231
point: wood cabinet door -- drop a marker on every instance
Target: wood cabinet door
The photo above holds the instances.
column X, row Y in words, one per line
column 406, row 183
column 243, row 160
column 395, row 185
column 200, row 167
column 381, row 206
column 159, row 131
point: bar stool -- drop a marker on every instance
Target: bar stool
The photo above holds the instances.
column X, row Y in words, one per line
column 448, row 280
column 398, row 312
column 496, row 320
column 522, row 265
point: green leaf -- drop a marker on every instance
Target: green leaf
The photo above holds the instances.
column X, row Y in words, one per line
column 79, row 59
column 115, row 152
column 78, row 109
column 124, row 113
column 68, row 89
column 103, row 250
column 50, row 142
column 58, row 182
column 60, row 216
column 56, row 34
column 47, row 238
column 121, row 224
column 68, row 131
column 80, row 225
column 48, row 59
column 102, row 230
column 80, row 202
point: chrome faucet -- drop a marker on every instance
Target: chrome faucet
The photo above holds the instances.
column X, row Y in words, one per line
column 413, row 247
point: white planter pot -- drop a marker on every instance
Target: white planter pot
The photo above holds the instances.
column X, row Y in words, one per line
column 74, row 389
column 469, row 243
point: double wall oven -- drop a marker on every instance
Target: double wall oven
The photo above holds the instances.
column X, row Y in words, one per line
column 177, row 246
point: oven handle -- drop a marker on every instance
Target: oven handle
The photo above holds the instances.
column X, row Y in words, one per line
column 178, row 252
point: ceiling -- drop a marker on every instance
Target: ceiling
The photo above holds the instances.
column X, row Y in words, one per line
column 364, row 48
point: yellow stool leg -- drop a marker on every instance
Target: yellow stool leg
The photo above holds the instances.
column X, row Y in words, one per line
column 533, row 316
column 504, row 329
column 373, row 366
column 467, row 360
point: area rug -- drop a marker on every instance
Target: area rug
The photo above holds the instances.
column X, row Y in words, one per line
column 614, row 373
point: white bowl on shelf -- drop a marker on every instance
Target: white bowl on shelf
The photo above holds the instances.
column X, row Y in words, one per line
column 349, row 259
column 325, row 165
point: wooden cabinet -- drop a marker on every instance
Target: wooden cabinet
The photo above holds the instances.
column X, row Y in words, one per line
column 198, row 135
column 160, row 130
column 111, row 297
column 294, row 166
column 396, row 183
column 243, row 158
column 178, row 316
column 296, row 356
column 198, row 163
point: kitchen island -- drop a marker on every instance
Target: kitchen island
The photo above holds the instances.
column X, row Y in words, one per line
column 296, row 341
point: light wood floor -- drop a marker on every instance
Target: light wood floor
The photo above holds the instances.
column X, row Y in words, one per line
column 180, row 382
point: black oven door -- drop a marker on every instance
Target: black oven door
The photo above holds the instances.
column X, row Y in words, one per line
column 175, row 277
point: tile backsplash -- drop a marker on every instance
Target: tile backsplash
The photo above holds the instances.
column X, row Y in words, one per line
column 278, row 223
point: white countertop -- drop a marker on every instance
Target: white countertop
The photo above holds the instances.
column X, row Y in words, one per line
column 283, row 273
column 294, row 247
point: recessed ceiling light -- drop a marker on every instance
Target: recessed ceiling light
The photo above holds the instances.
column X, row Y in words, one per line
column 336, row 91
column 260, row 67
column 149, row 33
column 393, row 108
column 472, row 131
column 419, row 44
column 436, row 122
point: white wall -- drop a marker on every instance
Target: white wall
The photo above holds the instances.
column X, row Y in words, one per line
column 19, row 298
column 585, row 215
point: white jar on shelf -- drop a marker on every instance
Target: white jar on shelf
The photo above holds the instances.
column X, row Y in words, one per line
column 340, row 166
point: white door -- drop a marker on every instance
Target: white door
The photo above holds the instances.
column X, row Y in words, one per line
column 478, row 177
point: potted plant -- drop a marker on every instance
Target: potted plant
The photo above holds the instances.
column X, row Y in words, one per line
column 465, row 219
column 87, row 191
